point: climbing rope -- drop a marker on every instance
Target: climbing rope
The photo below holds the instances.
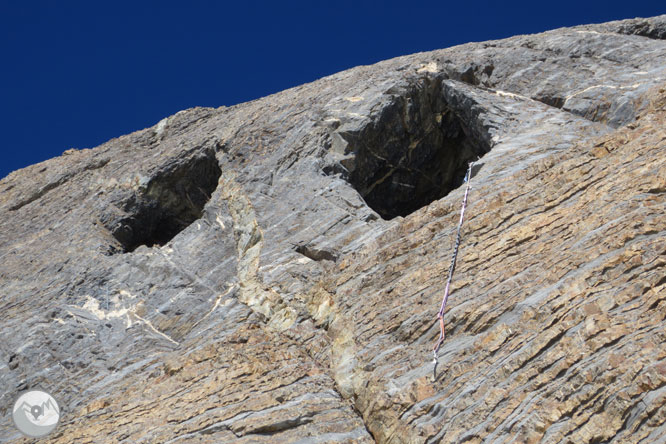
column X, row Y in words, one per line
column 440, row 315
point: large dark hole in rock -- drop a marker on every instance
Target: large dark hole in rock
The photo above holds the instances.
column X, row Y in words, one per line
column 172, row 200
column 417, row 150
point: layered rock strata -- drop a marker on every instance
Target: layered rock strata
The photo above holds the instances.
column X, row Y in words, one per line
column 270, row 272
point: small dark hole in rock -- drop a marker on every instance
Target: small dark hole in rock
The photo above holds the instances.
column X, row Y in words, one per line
column 416, row 151
column 316, row 254
column 170, row 202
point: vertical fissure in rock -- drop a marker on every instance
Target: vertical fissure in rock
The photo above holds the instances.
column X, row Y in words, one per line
column 415, row 151
column 169, row 203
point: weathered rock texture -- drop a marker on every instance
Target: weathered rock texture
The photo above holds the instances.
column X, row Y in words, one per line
column 271, row 272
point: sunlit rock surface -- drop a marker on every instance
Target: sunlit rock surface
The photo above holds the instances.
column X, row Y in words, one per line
column 271, row 272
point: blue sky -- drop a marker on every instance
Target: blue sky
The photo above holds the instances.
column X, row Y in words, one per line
column 77, row 73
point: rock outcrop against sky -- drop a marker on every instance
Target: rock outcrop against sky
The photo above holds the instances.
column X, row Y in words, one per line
column 271, row 272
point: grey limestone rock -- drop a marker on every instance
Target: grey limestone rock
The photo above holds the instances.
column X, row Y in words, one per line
column 270, row 271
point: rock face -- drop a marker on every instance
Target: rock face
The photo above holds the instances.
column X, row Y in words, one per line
column 271, row 272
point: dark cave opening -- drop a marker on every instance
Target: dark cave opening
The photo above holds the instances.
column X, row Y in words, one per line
column 170, row 202
column 416, row 151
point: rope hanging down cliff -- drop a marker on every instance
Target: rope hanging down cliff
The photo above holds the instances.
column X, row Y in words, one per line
column 440, row 315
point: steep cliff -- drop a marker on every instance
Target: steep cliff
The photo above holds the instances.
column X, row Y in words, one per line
column 271, row 272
